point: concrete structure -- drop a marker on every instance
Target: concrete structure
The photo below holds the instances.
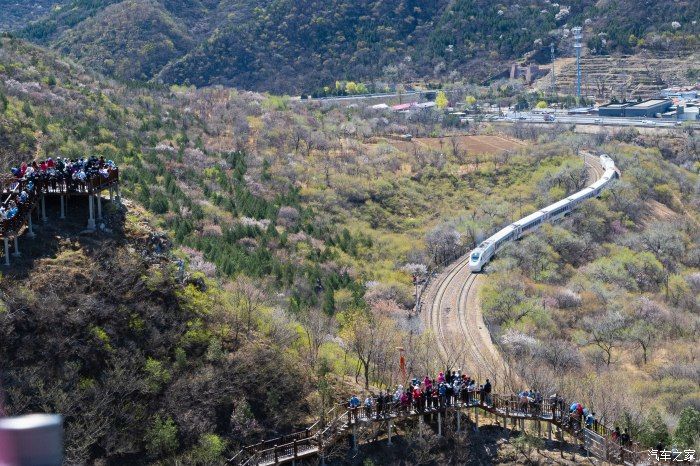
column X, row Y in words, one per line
column 680, row 93
column 528, row 72
column 689, row 113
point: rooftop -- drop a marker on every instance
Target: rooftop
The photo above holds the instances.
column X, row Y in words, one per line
column 623, row 105
column 649, row 103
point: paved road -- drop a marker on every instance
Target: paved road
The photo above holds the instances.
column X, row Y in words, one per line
column 529, row 117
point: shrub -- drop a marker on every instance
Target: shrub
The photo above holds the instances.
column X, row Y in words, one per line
column 161, row 437
column 687, row 432
column 654, row 430
column 209, row 450
column 156, row 374
column 159, row 203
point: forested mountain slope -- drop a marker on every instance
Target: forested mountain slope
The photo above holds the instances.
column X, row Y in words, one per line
column 301, row 225
column 292, row 46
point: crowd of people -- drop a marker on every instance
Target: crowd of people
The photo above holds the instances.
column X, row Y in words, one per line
column 18, row 197
column 454, row 388
column 65, row 171
column 423, row 394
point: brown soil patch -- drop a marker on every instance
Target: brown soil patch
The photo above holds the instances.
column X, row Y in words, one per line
column 659, row 212
column 485, row 144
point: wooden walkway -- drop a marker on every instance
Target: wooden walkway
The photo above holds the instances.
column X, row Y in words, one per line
column 340, row 422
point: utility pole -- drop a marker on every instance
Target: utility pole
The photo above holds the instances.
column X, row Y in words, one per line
column 577, row 47
column 554, row 84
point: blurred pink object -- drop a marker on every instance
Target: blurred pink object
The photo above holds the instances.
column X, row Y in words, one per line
column 31, row 440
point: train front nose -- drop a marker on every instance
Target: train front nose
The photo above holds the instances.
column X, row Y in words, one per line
column 475, row 262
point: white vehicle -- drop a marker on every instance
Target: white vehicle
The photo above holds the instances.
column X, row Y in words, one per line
column 649, row 123
column 483, row 253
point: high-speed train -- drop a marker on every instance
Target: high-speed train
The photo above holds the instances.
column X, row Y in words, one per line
column 485, row 251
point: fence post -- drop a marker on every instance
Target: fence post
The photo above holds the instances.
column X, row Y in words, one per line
column 607, row 449
column 91, row 212
column 276, row 457
column 439, row 424
column 16, row 253
column 30, row 232
column 389, row 434
column 296, row 449
column 44, row 218
column 459, row 418
column 354, row 437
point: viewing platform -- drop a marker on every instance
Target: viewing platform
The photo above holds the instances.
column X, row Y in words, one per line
column 550, row 417
column 24, row 194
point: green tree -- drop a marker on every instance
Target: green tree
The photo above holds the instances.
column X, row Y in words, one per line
column 654, row 430
column 541, row 104
column 209, row 450
column 441, row 100
column 3, row 103
column 161, row 437
column 159, row 203
column 27, row 109
column 156, row 374
column 687, row 433
column 471, row 100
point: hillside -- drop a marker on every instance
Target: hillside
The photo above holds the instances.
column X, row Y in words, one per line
column 130, row 40
column 300, row 226
column 17, row 13
column 291, row 46
column 105, row 331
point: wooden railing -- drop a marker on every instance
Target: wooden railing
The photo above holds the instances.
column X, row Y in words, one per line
column 68, row 185
column 295, row 444
column 12, row 226
column 41, row 184
column 597, row 436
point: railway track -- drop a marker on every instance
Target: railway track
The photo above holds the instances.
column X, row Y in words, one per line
column 454, row 315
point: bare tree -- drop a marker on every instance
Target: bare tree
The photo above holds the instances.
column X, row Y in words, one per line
column 607, row 333
column 318, row 325
column 647, row 327
column 249, row 299
column 368, row 336
column 443, row 244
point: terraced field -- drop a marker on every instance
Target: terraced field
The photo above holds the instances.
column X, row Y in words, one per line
column 633, row 76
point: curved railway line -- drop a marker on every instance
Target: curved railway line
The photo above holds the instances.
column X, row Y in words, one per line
column 463, row 342
column 454, row 315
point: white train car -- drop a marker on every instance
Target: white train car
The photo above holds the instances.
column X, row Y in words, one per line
column 483, row 253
